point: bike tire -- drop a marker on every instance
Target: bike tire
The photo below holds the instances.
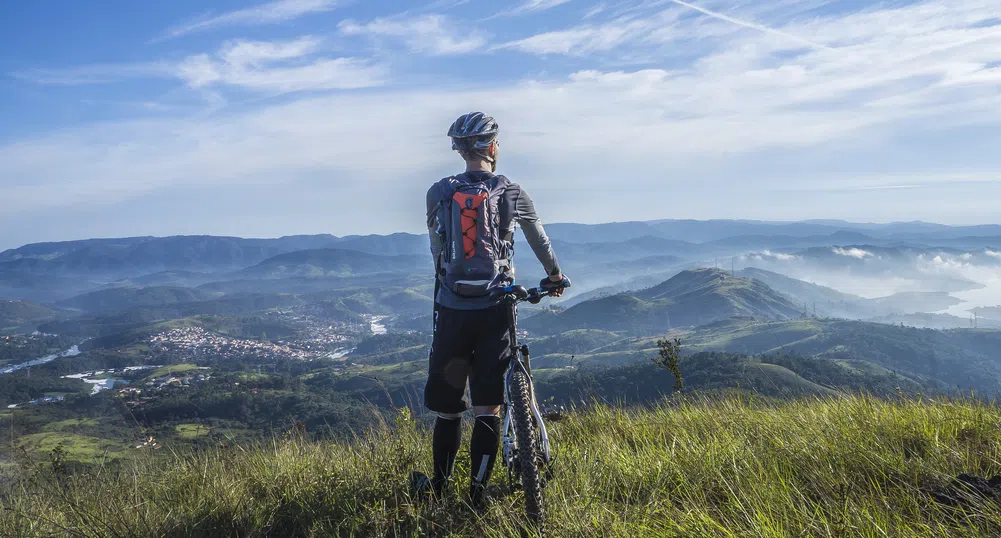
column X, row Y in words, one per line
column 528, row 456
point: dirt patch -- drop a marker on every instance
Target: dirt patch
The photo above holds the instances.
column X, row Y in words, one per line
column 967, row 489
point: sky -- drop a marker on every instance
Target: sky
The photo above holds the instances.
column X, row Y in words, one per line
column 123, row 118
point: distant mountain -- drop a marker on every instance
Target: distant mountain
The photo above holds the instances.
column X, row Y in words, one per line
column 132, row 297
column 334, row 262
column 42, row 288
column 23, row 315
column 690, row 298
column 137, row 256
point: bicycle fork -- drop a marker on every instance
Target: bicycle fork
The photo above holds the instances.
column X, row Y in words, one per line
column 509, row 440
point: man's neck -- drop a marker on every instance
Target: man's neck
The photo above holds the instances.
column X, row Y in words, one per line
column 479, row 166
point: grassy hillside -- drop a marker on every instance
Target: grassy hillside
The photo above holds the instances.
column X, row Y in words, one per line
column 132, row 297
column 15, row 315
column 959, row 358
column 697, row 468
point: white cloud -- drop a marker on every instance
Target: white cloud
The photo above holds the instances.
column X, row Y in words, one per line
column 272, row 12
column 748, row 24
column 853, row 252
column 427, row 34
column 265, row 66
column 779, row 256
column 993, row 254
column 577, row 41
column 531, row 6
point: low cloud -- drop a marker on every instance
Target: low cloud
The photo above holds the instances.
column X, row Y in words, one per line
column 852, row 252
column 780, row 256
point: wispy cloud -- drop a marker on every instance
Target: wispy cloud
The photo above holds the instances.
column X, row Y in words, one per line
column 426, row 34
column 747, row 24
column 530, row 6
column 272, row 12
column 262, row 66
column 277, row 67
column 579, row 40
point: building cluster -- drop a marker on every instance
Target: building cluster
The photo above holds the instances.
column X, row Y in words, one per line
column 315, row 331
column 150, row 390
column 195, row 342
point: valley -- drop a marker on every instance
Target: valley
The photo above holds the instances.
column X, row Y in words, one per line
column 197, row 341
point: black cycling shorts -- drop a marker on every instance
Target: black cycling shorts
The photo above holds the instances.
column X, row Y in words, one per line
column 473, row 344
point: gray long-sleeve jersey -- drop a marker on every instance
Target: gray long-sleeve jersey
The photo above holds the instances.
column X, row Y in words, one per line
column 523, row 213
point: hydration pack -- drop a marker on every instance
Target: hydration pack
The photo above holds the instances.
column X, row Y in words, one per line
column 477, row 246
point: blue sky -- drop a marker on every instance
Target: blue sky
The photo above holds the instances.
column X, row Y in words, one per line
column 327, row 116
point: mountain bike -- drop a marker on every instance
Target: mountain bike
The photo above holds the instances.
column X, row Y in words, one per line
column 525, row 441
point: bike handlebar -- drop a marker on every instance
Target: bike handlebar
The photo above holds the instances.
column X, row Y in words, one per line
column 520, row 294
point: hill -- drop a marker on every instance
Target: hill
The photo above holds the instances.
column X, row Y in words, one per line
column 132, row 297
column 959, row 358
column 825, row 468
column 333, row 262
column 692, row 297
column 136, row 256
column 23, row 315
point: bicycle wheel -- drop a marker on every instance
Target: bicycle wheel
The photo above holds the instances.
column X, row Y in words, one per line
column 528, row 457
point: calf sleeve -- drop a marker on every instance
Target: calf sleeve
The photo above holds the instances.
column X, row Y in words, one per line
column 483, row 447
column 444, row 447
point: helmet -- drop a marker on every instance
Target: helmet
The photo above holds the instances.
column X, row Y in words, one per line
column 473, row 132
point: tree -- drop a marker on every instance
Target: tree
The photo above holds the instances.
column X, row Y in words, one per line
column 667, row 358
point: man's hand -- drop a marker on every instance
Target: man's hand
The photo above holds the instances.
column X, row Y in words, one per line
column 555, row 284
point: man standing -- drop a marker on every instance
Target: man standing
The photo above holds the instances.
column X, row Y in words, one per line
column 471, row 219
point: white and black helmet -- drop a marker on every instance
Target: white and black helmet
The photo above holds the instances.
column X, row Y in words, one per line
column 473, row 132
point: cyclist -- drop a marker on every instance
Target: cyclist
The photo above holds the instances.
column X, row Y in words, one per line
column 471, row 218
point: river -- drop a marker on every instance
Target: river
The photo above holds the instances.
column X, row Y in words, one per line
column 71, row 352
column 100, row 383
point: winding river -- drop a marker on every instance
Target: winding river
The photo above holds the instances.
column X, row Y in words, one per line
column 71, row 352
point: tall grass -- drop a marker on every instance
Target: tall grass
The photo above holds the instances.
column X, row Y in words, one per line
column 726, row 467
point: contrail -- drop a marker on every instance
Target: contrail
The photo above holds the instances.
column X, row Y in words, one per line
column 751, row 25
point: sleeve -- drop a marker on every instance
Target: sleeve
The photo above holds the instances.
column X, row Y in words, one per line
column 528, row 220
column 432, row 222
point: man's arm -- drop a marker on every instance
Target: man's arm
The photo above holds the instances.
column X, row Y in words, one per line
column 432, row 221
column 528, row 219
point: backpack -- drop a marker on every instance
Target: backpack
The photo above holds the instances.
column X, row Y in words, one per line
column 476, row 254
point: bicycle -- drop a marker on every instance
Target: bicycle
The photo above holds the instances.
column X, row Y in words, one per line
column 526, row 450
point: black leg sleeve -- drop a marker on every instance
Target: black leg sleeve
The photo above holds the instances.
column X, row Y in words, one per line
column 483, row 448
column 444, row 448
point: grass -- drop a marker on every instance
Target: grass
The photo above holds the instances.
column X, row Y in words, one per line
column 70, row 424
column 191, row 431
column 171, row 369
column 727, row 467
column 79, row 448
